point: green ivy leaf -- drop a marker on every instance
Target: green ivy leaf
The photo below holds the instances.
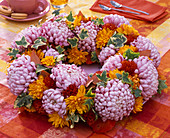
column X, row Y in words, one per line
column 70, row 17
column 60, row 49
column 13, row 53
column 118, row 40
column 89, row 103
column 125, row 78
column 23, row 42
column 98, row 21
column 137, row 92
column 90, row 94
column 42, row 38
column 23, row 100
column 40, row 68
column 103, row 77
column 73, row 41
column 119, row 76
column 56, row 12
column 59, row 19
column 94, row 57
column 83, row 34
column 101, row 84
column 130, row 54
column 60, row 58
column 37, row 43
column 161, row 86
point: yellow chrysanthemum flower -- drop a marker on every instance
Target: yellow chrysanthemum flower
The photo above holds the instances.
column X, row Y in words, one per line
column 138, row 105
column 37, row 88
column 127, row 30
column 103, row 37
column 48, row 60
column 136, row 81
column 57, row 120
column 77, row 57
column 112, row 74
column 77, row 21
column 27, row 52
column 77, row 102
column 126, row 47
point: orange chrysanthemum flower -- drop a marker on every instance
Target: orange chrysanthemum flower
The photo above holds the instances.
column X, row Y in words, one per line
column 32, row 109
column 112, row 74
column 126, row 47
column 128, row 30
column 110, row 26
column 39, row 53
column 77, row 57
column 48, row 60
column 138, row 105
column 37, row 88
column 76, row 103
column 103, row 37
column 57, row 120
column 136, row 81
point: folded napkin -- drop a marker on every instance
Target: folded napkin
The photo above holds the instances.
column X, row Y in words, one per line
column 155, row 11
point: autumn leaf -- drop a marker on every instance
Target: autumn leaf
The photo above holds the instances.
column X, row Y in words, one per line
column 35, row 58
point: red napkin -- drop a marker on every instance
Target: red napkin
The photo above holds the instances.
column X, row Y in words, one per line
column 155, row 11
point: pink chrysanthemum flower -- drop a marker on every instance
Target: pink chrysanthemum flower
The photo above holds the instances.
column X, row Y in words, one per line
column 143, row 43
column 65, row 75
column 148, row 76
column 53, row 101
column 88, row 44
column 20, row 74
column 115, row 19
column 114, row 101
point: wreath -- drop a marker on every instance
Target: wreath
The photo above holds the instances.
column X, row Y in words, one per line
column 46, row 74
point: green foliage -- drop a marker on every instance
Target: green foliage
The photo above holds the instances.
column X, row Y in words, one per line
column 96, row 115
column 90, row 94
column 83, row 34
column 60, row 49
column 60, row 58
column 137, row 92
column 23, row 42
column 73, row 41
column 74, row 118
column 38, row 42
column 161, row 86
column 118, row 40
column 13, row 53
column 119, row 76
column 98, row 21
column 89, row 103
column 56, row 12
column 94, row 57
column 23, row 100
column 130, row 54
column 40, row 68
column 103, row 77
column 125, row 78
column 42, row 38
column 70, row 17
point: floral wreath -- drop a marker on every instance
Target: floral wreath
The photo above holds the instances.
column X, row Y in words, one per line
column 45, row 76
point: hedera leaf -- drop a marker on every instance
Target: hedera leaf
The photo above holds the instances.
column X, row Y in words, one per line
column 70, row 17
column 37, row 43
column 94, row 57
column 103, row 76
column 161, row 86
column 60, row 49
column 98, row 21
column 130, row 54
column 59, row 19
column 119, row 76
column 56, row 12
column 40, row 68
column 42, row 38
column 73, row 41
column 83, row 34
column 90, row 94
column 137, row 92
column 89, row 103
column 13, row 53
column 101, row 84
column 125, row 78
column 117, row 39
column 23, row 100
column 23, row 42
column 60, row 58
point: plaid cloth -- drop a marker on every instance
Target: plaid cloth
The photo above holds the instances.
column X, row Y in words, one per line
column 153, row 121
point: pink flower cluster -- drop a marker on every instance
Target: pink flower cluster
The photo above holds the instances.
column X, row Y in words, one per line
column 65, row 74
column 148, row 76
column 51, row 52
column 114, row 101
column 53, row 101
column 20, row 74
column 88, row 44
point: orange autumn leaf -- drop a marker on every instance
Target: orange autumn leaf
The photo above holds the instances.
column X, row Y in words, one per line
column 145, row 53
column 35, row 58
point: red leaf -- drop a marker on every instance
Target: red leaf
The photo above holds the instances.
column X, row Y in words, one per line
column 145, row 53
column 35, row 58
